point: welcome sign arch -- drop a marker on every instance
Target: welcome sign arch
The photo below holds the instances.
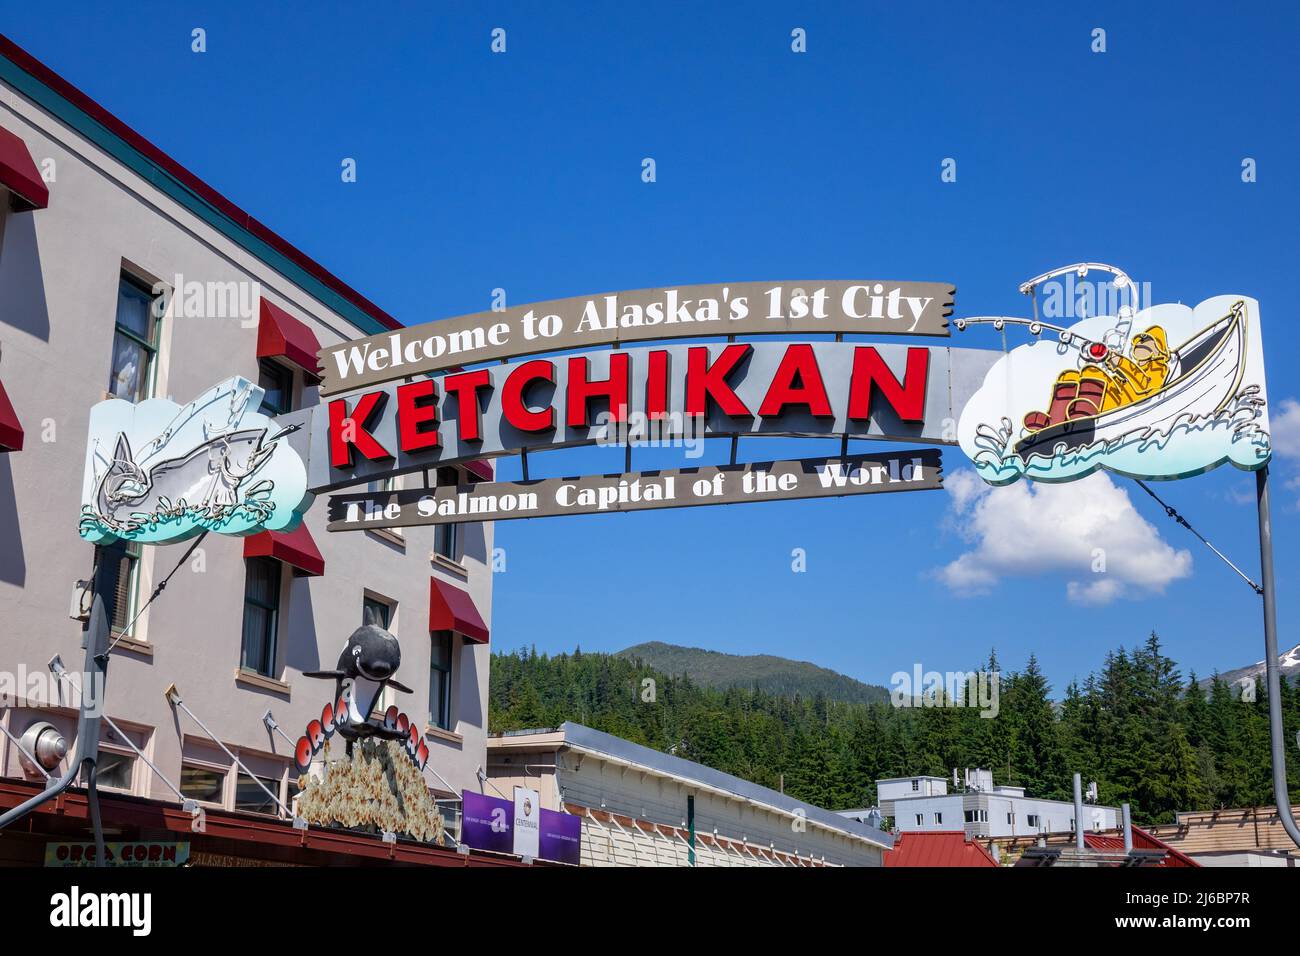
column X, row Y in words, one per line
column 1162, row 392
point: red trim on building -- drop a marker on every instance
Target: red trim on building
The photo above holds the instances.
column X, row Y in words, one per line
column 451, row 609
column 480, row 468
column 18, row 174
column 946, row 848
column 11, row 430
column 81, row 101
column 295, row 548
column 281, row 336
column 225, row 832
column 1141, row 841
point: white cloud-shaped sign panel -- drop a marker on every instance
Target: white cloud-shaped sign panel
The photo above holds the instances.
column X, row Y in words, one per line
column 159, row 472
column 1167, row 393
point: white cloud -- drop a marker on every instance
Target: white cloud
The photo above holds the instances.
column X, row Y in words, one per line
column 1085, row 530
column 1101, row 591
column 1284, row 428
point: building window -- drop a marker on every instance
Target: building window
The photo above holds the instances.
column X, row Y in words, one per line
column 135, row 342
column 969, row 816
column 450, row 811
column 1011, row 819
column 114, row 771
column 445, row 541
column 261, row 615
column 1032, row 820
column 938, row 818
column 276, row 383
column 376, row 612
column 202, row 783
column 380, row 614
column 916, row 785
column 440, row 679
column 249, row 796
column 381, row 486
column 920, row 820
column 128, row 583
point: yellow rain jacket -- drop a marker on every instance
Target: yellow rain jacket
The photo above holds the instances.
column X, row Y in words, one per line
column 1130, row 381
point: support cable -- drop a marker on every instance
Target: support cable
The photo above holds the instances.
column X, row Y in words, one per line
column 1171, row 512
column 156, row 591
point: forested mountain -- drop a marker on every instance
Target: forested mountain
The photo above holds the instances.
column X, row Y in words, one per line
column 1132, row 726
column 1288, row 666
column 776, row 675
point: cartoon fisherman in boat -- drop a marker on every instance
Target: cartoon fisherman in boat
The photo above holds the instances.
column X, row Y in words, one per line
column 1108, row 380
column 1160, row 391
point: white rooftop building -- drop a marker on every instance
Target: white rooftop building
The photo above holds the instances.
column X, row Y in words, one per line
column 980, row 808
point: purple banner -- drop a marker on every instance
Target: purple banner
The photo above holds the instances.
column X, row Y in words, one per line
column 486, row 824
column 561, row 837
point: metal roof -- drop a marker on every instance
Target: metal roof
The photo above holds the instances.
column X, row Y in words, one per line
column 578, row 737
column 1141, row 841
column 946, row 848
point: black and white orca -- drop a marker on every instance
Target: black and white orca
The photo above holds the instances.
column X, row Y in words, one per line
column 366, row 666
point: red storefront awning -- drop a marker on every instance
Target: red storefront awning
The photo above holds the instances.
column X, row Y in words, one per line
column 281, row 336
column 19, row 175
column 451, row 609
column 480, row 468
column 295, row 548
column 11, row 432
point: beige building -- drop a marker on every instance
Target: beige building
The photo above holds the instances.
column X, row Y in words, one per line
column 1250, row 836
column 640, row 807
column 123, row 274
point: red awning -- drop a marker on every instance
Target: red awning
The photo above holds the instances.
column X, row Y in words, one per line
column 11, row 432
column 281, row 336
column 19, row 175
column 295, row 548
column 451, row 609
column 480, row 468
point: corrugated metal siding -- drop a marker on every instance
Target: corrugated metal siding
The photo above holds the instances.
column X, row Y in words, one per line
column 614, row 840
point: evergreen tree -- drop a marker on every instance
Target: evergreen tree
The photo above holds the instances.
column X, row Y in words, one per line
column 1134, row 727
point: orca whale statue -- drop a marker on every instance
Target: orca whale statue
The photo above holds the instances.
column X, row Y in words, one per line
column 365, row 667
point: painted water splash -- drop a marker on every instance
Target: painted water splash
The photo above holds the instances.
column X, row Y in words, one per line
column 1234, row 434
column 174, row 522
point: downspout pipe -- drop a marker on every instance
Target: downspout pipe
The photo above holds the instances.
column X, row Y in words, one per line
column 1078, row 813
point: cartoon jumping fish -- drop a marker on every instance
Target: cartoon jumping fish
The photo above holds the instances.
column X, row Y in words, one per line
column 206, row 477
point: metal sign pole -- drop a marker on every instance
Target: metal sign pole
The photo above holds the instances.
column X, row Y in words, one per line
column 1272, row 675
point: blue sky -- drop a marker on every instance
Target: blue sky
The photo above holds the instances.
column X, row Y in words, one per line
column 522, row 171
